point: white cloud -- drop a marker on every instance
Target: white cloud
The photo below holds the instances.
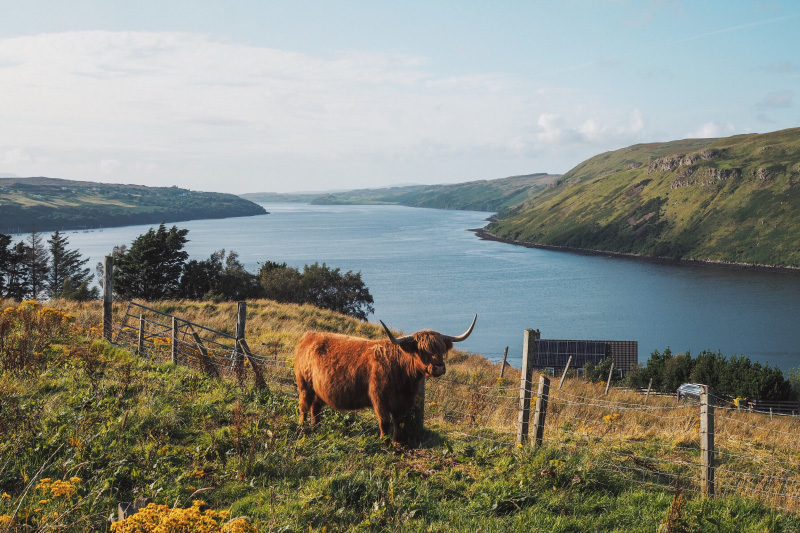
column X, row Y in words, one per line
column 148, row 107
column 711, row 130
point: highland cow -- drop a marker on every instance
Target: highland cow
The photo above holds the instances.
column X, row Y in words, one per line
column 350, row 373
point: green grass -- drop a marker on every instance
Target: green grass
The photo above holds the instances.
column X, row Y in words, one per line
column 127, row 426
column 185, row 432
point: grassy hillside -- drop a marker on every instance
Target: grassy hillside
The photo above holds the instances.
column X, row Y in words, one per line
column 483, row 195
column 732, row 200
column 85, row 425
column 56, row 204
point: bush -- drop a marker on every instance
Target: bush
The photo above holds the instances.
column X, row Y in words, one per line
column 737, row 376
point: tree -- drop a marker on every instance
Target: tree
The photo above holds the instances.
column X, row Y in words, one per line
column 219, row 278
column 37, row 264
column 151, row 268
column 201, row 277
column 17, row 279
column 235, row 282
column 329, row 289
column 67, row 277
column 281, row 283
column 318, row 285
column 5, row 241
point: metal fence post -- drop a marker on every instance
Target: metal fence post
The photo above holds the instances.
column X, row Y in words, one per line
column 108, row 271
column 706, row 441
column 528, row 357
column 140, row 344
column 503, row 364
column 174, row 340
column 541, row 409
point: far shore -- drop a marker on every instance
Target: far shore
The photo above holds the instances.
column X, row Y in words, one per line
column 484, row 234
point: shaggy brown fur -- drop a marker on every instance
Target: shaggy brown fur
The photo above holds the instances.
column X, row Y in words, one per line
column 349, row 373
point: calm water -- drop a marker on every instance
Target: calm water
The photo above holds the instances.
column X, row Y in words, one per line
column 425, row 270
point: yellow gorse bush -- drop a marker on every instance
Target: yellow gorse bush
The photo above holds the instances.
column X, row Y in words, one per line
column 163, row 519
column 28, row 333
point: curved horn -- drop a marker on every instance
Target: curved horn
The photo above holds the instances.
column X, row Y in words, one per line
column 391, row 337
column 463, row 336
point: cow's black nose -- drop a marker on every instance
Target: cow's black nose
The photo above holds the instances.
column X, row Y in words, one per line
column 438, row 370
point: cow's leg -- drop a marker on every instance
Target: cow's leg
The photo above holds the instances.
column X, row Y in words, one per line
column 384, row 418
column 307, row 398
column 396, row 421
column 316, row 407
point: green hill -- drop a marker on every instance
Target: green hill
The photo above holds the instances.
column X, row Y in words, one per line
column 482, row 195
column 58, row 204
column 734, row 200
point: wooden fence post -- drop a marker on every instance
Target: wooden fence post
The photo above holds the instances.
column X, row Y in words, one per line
column 418, row 422
column 108, row 271
column 241, row 319
column 569, row 362
column 140, row 344
column 541, row 409
column 503, row 364
column 528, row 357
column 706, row 441
column 649, row 386
column 610, row 373
column 174, row 340
column 258, row 377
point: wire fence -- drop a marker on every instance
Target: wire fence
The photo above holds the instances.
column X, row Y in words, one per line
column 653, row 441
column 653, row 444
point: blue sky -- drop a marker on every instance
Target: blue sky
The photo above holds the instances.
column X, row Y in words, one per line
column 289, row 96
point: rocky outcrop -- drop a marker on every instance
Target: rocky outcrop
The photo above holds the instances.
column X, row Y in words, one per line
column 707, row 176
column 670, row 163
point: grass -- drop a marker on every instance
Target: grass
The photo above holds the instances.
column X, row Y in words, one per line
column 115, row 426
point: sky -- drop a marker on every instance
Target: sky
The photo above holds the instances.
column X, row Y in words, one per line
column 297, row 95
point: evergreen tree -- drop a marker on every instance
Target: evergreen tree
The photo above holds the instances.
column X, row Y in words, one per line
column 5, row 241
column 37, row 264
column 17, row 279
column 151, row 268
column 67, row 272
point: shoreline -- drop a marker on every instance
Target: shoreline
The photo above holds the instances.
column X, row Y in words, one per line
column 485, row 235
